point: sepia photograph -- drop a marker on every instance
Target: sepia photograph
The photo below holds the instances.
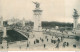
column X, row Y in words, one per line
column 40, row 25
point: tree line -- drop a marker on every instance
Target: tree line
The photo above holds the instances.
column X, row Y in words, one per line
column 53, row 24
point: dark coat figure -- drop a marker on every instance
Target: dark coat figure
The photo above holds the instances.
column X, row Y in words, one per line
column 27, row 45
column 37, row 41
column 64, row 44
column 44, row 45
column 47, row 40
column 58, row 40
column 34, row 42
column 28, row 36
column 54, row 41
column 57, row 46
column 67, row 44
column 2, row 47
column 74, row 46
column 42, row 40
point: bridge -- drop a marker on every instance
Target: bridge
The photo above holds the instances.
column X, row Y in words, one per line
column 26, row 34
column 22, row 33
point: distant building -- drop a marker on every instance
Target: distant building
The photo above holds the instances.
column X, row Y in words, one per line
column 13, row 21
column 5, row 23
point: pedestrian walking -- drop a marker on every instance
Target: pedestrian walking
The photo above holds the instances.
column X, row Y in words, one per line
column 74, row 45
column 64, row 44
column 61, row 39
column 2, row 47
column 58, row 40
column 34, row 42
column 67, row 44
column 57, row 46
column 42, row 40
column 27, row 45
column 54, row 41
column 44, row 45
column 47, row 40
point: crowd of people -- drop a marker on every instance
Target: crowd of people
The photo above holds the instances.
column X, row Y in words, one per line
column 45, row 41
column 53, row 40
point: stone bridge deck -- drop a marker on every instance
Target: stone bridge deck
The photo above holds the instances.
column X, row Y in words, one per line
column 21, row 32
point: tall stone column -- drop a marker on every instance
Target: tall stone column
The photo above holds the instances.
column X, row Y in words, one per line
column 75, row 24
column 37, row 19
column 75, row 17
column 37, row 29
column 1, row 21
column 4, row 41
column 4, row 32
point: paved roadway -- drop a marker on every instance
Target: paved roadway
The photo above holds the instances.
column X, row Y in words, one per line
column 23, row 44
column 49, row 45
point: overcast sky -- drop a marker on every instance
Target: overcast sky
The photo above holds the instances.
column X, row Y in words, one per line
column 53, row 10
